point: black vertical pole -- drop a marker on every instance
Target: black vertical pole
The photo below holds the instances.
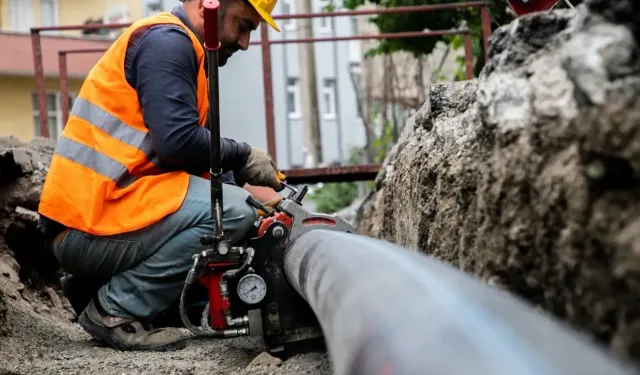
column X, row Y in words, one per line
column 212, row 45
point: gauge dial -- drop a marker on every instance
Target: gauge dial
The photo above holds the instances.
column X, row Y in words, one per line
column 251, row 289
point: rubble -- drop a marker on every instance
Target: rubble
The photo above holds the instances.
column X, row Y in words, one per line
column 529, row 177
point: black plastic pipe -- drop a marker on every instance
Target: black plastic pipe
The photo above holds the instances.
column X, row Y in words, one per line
column 386, row 310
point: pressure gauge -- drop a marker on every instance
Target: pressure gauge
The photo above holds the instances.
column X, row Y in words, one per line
column 252, row 289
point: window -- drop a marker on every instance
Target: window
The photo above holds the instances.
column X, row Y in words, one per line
column 355, row 51
column 324, row 22
column 355, row 73
column 48, row 13
column 289, row 8
column 354, row 25
column 54, row 113
column 329, row 98
column 20, row 15
column 293, row 98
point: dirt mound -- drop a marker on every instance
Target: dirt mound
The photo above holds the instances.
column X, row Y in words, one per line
column 28, row 271
column 530, row 177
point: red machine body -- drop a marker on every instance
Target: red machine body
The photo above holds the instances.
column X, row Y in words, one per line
column 278, row 216
column 219, row 303
column 522, row 7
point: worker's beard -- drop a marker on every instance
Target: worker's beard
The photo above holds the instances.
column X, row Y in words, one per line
column 223, row 56
column 225, row 52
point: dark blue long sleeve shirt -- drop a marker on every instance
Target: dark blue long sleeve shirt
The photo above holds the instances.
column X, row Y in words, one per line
column 161, row 65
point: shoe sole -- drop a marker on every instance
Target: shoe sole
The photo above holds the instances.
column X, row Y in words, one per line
column 102, row 333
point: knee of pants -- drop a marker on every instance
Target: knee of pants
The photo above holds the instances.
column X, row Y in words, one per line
column 239, row 215
column 249, row 216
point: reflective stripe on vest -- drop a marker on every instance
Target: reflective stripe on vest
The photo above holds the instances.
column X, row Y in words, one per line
column 111, row 125
column 104, row 177
column 100, row 163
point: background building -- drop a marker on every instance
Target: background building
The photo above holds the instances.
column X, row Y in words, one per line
column 17, row 84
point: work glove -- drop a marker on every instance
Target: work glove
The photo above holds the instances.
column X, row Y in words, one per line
column 261, row 170
column 270, row 204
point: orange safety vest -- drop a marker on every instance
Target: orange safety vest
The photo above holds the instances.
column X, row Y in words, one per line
column 104, row 177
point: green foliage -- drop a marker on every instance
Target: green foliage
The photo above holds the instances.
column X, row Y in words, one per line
column 382, row 143
column 333, row 197
column 417, row 21
column 435, row 20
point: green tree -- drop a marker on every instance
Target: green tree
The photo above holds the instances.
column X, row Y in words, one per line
column 436, row 20
column 332, row 197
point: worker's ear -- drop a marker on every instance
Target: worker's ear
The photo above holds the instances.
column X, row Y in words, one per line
column 200, row 8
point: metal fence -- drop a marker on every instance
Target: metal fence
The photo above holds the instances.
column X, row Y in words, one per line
column 298, row 175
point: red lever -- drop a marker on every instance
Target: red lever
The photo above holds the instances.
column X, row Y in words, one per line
column 211, row 37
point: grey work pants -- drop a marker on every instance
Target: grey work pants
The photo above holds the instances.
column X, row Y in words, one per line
column 148, row 266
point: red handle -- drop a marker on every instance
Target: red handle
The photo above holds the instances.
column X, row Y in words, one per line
column 211, row 37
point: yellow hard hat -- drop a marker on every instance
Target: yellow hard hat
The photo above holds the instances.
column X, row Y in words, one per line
column 264, row 8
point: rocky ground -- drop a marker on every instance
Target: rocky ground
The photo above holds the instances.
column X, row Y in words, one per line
column 39, row 340
column 529, row 177
column 37, row 335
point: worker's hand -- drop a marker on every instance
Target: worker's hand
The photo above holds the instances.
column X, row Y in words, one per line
column 261, row 170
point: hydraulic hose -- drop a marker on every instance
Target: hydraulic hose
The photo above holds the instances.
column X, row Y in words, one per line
column 205, row 330
column 191, row 278
column 388, row 310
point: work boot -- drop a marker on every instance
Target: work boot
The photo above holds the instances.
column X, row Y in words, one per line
column 128, row 334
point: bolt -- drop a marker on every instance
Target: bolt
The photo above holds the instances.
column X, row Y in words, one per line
column 278, row 232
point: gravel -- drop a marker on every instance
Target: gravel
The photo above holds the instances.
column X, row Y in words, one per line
column 38, row 338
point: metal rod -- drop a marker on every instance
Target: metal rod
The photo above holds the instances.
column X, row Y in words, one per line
column 468, row 56
column 485, row 18
column 362, row 12
column 83, row 50
column 362, row 172
column 212, row 45
column 38, row 69
column 385, row 309
column 377, row 11
column 337, row 103
column 64, row 89
column 92, row 26
column 268, row 90
column 64, row 77
column 400, row 35
column 214, row 112
column 568, row 4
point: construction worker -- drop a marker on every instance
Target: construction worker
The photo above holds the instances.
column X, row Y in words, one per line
column 123, row 198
